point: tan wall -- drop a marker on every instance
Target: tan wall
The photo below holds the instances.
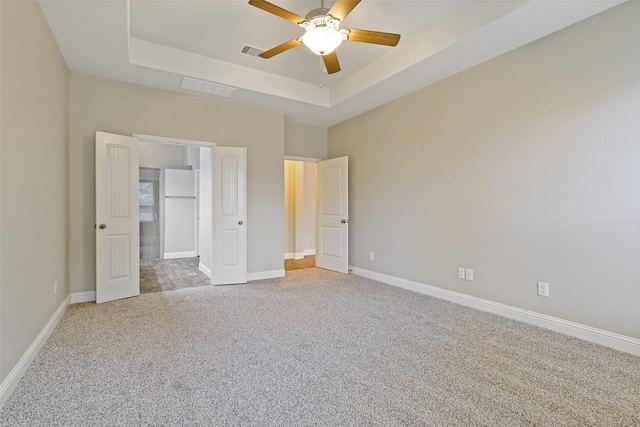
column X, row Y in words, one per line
column 309, row 216
column 98, row 104
column 289, row 206
column 155, row 155
column 525, row 168
column 34, row 195
column 302, row 140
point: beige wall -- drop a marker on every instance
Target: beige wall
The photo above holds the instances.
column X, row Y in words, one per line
column 155, row 155
column 33, row 231
column 525, row 168
column 289, row 207
column 98, row 104
column 309, row 215
column 302, row 140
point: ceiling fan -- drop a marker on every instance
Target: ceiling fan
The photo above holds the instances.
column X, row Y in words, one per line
column 322, row 31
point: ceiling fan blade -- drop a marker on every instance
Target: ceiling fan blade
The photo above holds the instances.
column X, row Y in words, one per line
column 276, row 10
column 331, row 62
column 342, row 8
column 281, row 48
column 375, row 37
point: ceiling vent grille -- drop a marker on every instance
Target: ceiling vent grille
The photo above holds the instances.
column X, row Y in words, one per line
column 207, row 87
column 251, row 51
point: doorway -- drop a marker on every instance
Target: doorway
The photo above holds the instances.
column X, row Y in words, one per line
column 300, row 213
column 174, row 188
column 117, row 214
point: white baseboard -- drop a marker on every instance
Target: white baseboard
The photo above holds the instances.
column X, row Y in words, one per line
column 88, row 296
column 206, row 270
column 588, row 333
column 299, row 255
column 11, row 381
column 176, row 255
column 261, row 275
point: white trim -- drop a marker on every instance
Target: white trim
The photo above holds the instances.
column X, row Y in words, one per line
column 206, row 270
column 175, row 141
column 302, row 159
column 10, row 383
column 299, row 255
column 87, row 296
column 262, row 275
column 598, row 336
column 176, row 255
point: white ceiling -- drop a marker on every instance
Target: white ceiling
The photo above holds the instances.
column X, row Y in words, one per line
column 156, row 43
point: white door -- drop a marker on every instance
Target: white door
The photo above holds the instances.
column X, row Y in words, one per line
column 332, row 251
column 117, row 226
column 229, row 263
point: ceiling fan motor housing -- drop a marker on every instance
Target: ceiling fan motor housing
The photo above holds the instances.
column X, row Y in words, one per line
column 319, row 18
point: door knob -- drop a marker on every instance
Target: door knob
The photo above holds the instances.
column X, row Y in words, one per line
column 102, row 226
column 240, row 222
column 344, row 221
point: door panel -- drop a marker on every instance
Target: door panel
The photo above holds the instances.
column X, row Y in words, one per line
column 117, row 227
column 332, row 251
column 229, row 216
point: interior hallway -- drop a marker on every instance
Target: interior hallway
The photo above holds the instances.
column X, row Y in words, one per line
column 298, row 264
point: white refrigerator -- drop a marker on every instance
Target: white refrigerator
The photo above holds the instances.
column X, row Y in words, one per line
column 180, row 214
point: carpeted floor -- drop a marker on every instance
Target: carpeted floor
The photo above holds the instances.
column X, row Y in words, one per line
column 316, row 348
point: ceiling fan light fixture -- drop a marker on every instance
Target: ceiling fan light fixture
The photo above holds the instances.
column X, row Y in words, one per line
column 322, row 40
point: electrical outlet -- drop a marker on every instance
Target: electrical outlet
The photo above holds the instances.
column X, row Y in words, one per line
column 468, row 274
column 55, row 287
column 371, row 256
column 460, row 273
column 543, row 289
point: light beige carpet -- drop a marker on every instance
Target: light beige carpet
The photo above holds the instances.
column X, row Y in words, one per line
column 316, row 348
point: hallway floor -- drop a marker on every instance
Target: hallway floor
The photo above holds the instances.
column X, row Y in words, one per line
column 167, row 274
column 297, row 264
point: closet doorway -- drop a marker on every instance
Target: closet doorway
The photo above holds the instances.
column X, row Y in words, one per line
column 174, row 192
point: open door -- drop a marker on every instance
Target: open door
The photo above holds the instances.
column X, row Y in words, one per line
column 229, row 263
column 117, row 210
column 332, row 243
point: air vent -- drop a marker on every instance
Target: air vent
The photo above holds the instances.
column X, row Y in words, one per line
column 251, row 51
column 207, row 87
